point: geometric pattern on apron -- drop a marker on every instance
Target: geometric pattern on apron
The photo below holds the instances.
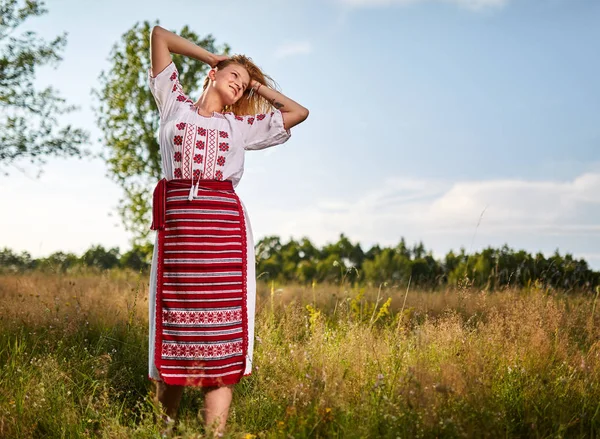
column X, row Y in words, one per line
column 201, row 309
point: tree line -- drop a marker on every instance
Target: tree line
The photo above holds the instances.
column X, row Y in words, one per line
column 300, row 261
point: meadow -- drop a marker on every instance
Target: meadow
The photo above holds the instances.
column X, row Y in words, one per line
column 336, row 361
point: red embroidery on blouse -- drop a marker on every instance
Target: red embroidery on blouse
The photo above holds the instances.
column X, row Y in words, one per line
column 202, row 131
column 173, row 76
column 177, row 156
column 174, row 88
column 196, row 173
column 250, row 120
column 178, row 140
column 180, row 126
column 188, row 147
column 239, row 118
column 211, row 154
column 221, row 160
column 200, row 144
column 181, row 98
column 260, row 116
column 223, row 134
column 223, row 146
column 178, row 173
column 219, row 175
column 198, row 158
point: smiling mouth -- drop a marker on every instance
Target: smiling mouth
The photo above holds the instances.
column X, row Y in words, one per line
column 234, row 90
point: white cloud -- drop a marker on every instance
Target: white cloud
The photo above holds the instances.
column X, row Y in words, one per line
column 526, row 214
column 293, row 48
column 469, row 4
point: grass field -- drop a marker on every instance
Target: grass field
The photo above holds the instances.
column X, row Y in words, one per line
column 330, row 361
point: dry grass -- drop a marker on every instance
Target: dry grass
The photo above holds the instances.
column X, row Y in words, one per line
column 331, row 361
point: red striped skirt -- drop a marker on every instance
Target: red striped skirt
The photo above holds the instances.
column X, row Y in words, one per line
column 201, row 318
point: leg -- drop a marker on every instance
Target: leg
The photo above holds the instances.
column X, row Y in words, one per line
column 170, row 397
column 216, row 408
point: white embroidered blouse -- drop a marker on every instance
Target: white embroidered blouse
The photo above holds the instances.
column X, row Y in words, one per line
column 195, row 147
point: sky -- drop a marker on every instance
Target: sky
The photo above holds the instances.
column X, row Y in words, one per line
column 458, row 123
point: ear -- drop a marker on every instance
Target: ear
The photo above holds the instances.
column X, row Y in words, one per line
column 212, row 74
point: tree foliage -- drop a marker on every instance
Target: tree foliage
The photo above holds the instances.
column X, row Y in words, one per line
column 29, row 125
column 128, row 118
column 96, row 257
column 300, row 261
column 342, row 261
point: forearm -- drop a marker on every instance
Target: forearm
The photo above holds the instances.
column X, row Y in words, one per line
column 179, row 45
column 279, row 100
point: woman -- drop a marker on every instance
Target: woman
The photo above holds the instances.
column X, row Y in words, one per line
column 202, row 286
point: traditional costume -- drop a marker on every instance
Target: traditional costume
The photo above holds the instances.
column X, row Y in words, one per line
column 202, row 285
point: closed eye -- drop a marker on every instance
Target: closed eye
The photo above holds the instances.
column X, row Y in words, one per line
column 244, row 86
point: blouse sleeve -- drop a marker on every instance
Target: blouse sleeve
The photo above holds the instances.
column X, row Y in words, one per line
column 166, row 89
column 263, row 130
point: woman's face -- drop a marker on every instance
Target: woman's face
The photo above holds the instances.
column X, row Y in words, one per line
column 231, row 82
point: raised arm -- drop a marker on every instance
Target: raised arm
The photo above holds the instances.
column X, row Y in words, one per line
column 293, row 113
column 163, row 43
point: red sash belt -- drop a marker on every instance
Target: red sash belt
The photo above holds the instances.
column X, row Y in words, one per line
column 159, row 198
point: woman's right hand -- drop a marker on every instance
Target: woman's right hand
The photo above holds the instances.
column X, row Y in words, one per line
column 216, row 59
column 164, row 42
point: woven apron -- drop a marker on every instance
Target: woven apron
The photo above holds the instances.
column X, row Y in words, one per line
column 201, row 317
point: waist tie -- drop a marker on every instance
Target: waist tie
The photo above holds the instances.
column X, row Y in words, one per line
column 159, row 197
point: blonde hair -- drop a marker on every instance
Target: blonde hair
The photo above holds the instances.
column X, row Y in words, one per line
column 248, row 103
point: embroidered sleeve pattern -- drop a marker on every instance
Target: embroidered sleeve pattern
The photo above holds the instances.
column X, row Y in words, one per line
column 261, row 131
column 167, row 90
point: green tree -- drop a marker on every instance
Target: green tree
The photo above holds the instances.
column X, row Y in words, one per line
column 59, row 262
column 426, row 271
column 373, row 252
column 330, row 269
column 306, row 271
column 138, row 258
column 268, row 257
column 388, row 266
column 418, row 251
column 402, row 249
column 308, row 251
column 11, row 261
column 129, row 119
column 451, row 261
column 267, row 247
column 290, row 256
column 101, row 258
column 349, row 256
column 29, row 128
column 483, row 266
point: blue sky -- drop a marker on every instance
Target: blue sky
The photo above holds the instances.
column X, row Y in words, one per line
column 424, row 115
